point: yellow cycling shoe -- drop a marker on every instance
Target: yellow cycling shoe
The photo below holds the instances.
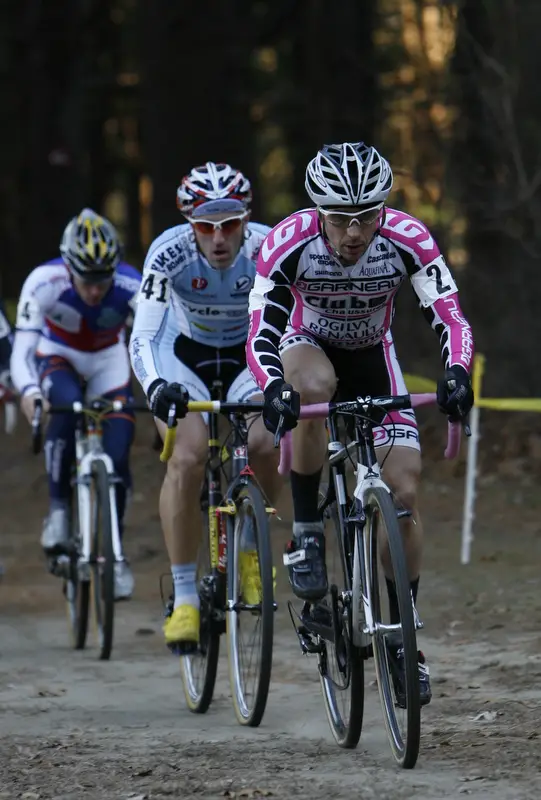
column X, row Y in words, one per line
column 250, row 580
column 182, row 626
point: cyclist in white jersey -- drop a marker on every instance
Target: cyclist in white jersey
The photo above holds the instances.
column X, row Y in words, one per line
column 321, row 313
column 70, row 345
column 190, row 329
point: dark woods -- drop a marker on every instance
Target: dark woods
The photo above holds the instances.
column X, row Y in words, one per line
column 108, row 103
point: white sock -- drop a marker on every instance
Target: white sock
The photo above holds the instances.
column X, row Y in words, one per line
column 185, row 585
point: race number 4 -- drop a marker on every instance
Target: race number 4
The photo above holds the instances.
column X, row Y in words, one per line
column 156, row 287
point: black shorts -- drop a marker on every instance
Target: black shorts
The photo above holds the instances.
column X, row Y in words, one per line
column 371, row 371
column 201, row 365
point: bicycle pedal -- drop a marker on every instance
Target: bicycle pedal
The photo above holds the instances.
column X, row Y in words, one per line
column 184, row 648
column 59, row 566
column 402, row 513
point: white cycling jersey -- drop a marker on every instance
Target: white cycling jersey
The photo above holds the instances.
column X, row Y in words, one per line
column 182, row 294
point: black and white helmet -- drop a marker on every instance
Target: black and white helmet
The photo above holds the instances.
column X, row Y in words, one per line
column 213, row 181
column 349, row 174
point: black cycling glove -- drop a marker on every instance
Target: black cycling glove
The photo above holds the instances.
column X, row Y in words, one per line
column 162, row 395
column 281, row 400
column 455, row 393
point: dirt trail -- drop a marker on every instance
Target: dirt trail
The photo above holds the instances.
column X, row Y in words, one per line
column 72, row 727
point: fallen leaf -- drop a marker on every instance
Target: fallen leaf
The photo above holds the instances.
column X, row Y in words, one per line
column 46, row 692
column 485, row 716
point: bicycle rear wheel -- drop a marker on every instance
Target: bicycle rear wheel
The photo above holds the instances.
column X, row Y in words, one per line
column 403, row 725
column 76, row 590
column 102, row 569
column 198, row 670
column 250, row 606
column 341, row 668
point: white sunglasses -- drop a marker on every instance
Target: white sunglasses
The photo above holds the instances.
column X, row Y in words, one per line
column 344, row 219
column 208, row 226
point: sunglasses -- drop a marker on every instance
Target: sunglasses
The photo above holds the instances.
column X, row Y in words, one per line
column 343, row 219
column 227, row 226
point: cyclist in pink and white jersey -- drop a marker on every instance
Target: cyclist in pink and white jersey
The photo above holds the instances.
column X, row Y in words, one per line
column 321, row 311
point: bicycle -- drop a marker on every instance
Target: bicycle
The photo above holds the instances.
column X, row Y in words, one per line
column 88, row 567
column 228, row 516
column 348, row 626
column 8, row 402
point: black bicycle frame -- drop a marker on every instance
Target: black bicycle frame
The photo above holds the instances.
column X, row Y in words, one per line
column 348, row 512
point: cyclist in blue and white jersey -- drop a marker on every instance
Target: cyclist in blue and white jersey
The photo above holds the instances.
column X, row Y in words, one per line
column 190, row 328
column 70, row 345
column 6, row 339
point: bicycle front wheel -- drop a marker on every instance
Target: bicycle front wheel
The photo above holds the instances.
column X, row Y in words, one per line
column 76, row 589
column 341, row 666
column 103, row 559
column 250, row 605
column 403, row 725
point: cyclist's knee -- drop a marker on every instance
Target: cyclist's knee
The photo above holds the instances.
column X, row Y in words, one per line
column 261, row 441
column 187, row 463
column 313, row 387
column 404, row 484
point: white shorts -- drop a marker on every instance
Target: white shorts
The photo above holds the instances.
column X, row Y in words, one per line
column 103, row 371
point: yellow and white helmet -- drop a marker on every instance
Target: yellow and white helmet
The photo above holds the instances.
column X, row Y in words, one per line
column 90, row 246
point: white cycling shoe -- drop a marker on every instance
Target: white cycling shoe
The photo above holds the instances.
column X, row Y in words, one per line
column 124, row 581
column 55, row 532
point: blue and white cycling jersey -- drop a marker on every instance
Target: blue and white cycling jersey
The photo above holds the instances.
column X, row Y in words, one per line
column 52, row 319
column 182, row 294
column 5, row 340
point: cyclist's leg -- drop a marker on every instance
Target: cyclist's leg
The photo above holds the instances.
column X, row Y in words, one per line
column 311, row 373
column 264, row 457
column 61, row 385
column 398, row 450
column 109, row 377
column 118, row 435
column 180, row 511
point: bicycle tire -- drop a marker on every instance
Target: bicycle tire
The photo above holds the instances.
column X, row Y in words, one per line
column 76, row 591
column 199, row 692
column 248, row 712
column 102, row 568
column 346, row 726
column 378, row 502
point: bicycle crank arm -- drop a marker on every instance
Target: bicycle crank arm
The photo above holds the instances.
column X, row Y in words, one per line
column 307, row 644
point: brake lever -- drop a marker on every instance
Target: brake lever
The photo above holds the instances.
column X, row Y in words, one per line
column 172, row 416
column 278, row 432
column 36, row 426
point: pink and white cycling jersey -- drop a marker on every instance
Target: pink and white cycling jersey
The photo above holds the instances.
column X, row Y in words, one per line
column 301, row 287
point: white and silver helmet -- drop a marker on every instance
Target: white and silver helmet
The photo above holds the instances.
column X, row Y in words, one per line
column 213, row 181
column 348, row 174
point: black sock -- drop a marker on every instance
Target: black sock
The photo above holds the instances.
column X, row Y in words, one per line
column 305, row 489
column 414, row 586
column 393, row 602
column 393, row 599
